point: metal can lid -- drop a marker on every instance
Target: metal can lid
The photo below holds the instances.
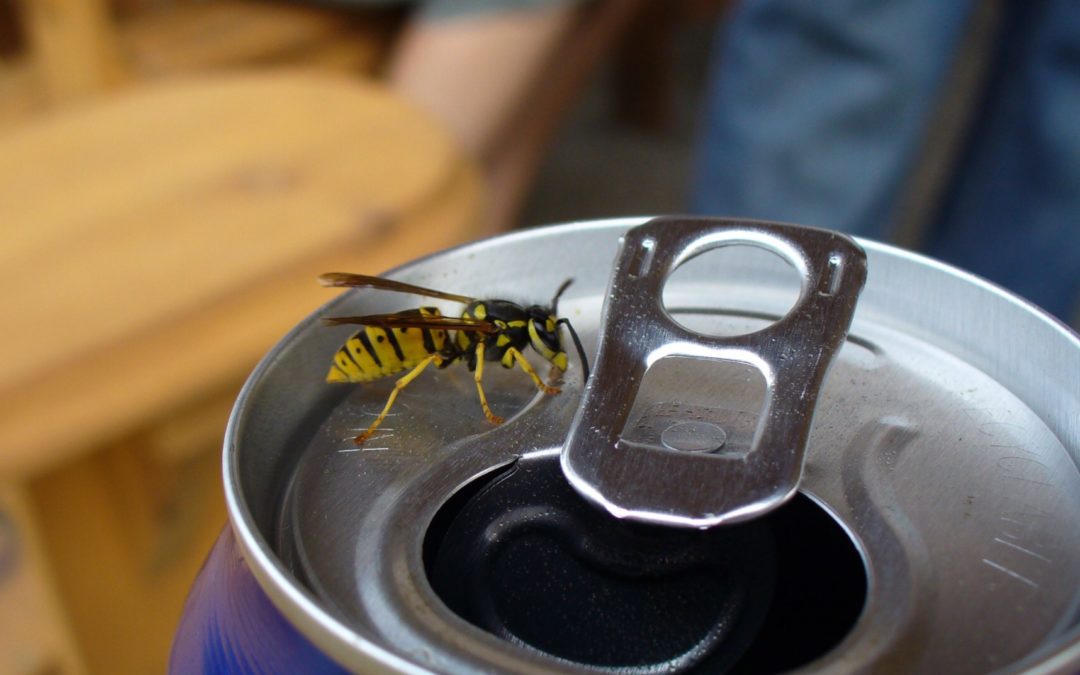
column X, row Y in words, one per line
column 944, row 445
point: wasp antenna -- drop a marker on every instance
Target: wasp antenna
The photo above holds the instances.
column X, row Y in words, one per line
column 558, row 294
column 577, row 343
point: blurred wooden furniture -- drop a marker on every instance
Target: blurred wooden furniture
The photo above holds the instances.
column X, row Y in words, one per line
column 74, row 49
column 156, row 244
column 79, row 48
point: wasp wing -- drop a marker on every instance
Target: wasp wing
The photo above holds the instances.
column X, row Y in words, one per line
column 347, row 280
column 414, row 319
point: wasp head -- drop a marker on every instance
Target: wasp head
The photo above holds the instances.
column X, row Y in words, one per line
column 544, row 336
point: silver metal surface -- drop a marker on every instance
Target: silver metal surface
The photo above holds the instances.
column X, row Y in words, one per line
column 653, row 482
column 946, row 442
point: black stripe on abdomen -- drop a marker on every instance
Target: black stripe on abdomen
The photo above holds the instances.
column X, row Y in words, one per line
column 429, row 342
column 392, row 339
column 369, row 348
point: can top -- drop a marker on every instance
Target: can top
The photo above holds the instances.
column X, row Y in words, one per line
column 945, row 443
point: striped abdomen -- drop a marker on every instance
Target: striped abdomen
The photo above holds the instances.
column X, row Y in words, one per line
column 373, row 352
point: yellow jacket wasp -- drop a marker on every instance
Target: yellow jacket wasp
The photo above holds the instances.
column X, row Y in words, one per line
column 487, row 330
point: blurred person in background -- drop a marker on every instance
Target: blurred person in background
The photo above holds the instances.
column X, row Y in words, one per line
column 470, row 62
column 476, row 67
column 953, row 127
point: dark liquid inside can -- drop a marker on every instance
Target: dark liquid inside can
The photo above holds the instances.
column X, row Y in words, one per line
column 560, row 577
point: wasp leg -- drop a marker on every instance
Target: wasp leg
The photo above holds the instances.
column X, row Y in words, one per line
column 478, row 375
column 527, row 367
column 398, row 386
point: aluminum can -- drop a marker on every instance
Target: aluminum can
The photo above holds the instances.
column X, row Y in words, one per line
column 935, row 527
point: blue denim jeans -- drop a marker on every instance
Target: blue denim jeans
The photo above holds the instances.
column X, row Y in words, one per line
column 819, row 113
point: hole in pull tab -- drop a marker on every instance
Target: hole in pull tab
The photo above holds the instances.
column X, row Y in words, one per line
column 732, row 290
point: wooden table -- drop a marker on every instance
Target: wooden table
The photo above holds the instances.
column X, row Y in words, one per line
column 154, row 246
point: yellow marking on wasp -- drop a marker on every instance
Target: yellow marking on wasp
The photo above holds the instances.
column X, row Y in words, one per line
column 539, row 345
column 462, row 337
column 502, row 340
column 398, row 386
column 480, row 312
column 516, row 324
column 560, row 361
column 335, row 375
column 343, row 370
column 370, row 353
column 365, row 361
column 478, row 376
column 527, row 367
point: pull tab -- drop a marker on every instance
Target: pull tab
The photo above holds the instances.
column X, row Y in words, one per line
column 658, row 484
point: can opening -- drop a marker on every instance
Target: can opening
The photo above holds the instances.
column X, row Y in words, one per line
column 521, row 555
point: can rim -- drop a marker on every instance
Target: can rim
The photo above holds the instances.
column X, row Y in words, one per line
column 354, row 651
column 340, row 642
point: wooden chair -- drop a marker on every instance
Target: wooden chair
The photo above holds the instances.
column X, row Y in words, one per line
column 156, row 243
column 81, row 48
